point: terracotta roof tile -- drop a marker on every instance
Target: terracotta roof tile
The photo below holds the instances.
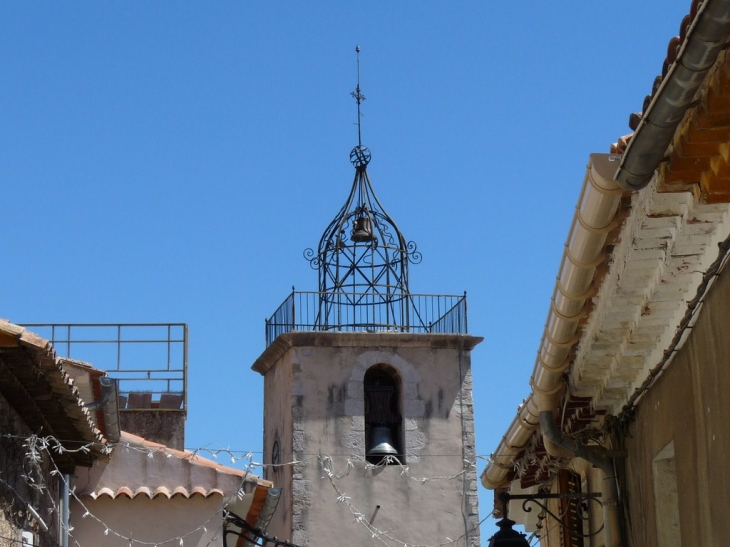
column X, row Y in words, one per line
column 705, row 124
column 57, row 408
column 673, row 47
column 142, row 467
column 122, row 491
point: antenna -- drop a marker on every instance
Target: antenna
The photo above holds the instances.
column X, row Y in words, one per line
column 359, row 97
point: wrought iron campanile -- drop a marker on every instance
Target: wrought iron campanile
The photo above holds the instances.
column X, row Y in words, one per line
column 362, row 257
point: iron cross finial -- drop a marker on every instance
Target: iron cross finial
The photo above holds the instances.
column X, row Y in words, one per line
column 359, row 97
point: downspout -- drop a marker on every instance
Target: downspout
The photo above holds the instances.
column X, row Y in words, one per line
column 706, row 37
column 273, row 495
column 598, row 456
column 65, row 510
column 107, row 387
column 109, row 406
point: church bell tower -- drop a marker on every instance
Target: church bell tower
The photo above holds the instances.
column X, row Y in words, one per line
column 368, row 413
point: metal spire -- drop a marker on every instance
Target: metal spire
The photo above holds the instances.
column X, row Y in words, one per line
column 360, row 155
column 359, row 97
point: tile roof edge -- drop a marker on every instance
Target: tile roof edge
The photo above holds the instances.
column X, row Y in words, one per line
column 192, row 458
column 44, row 354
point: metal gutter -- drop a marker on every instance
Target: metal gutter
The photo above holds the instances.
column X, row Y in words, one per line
column 706, row 37
column 595, row 217
column 267, row 512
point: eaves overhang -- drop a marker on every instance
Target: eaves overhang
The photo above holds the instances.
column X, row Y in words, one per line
column 655, row 264
column 35, row 383
column 704, row 34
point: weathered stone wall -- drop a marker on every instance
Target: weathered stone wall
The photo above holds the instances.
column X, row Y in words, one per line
column 279, row 402
column 164, row 427
column 688, row 406
column 326, row 401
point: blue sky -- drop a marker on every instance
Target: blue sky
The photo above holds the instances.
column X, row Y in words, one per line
column 171, row 161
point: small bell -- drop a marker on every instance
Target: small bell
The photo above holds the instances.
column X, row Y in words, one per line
column 363, row 230
column 381, row 442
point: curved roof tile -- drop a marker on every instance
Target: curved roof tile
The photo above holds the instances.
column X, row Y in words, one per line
column 141, row 467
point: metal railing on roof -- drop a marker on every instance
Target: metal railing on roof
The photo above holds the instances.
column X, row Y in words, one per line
column 149, row 360
column 342, row 312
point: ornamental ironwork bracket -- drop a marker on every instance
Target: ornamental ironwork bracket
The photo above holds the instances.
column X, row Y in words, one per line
column 505, row 498
column 251, row 535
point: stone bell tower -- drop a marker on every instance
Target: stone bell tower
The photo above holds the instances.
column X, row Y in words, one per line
column 368, row 417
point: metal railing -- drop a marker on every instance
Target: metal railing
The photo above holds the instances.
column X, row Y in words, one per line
column 369, row 312
column 149, row 360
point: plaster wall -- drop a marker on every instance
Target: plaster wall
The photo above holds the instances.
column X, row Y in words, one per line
column 689, row 406
column 157, row 521
column 320, row 385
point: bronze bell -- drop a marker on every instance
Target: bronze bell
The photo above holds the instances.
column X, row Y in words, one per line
column 363, row 230
column 381, row 442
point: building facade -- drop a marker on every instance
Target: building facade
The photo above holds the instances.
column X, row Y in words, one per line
column 42, row 423
column 627, row 394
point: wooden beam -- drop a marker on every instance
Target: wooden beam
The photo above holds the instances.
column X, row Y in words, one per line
column 8, row 340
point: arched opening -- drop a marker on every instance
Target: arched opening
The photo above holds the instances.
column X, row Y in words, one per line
column 383, row 415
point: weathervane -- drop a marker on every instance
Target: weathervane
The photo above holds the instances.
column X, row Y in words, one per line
column 359, row 97
column 360, row 155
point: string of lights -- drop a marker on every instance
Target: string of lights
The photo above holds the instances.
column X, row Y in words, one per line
column 377, row 534
column 51, row 443
column 60, row 446
column 26, row 506
column 251, row 534
column 180, row 539
column 36, row 446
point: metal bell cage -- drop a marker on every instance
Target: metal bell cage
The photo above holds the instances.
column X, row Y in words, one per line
column 362, row 261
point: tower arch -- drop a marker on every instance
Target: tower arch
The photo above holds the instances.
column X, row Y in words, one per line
column 383, row 416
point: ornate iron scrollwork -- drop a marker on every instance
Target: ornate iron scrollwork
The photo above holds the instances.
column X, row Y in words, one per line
column 248, row 532
column 528, row 499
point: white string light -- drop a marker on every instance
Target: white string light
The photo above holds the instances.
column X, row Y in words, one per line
column 377, row 534
column 36, row 446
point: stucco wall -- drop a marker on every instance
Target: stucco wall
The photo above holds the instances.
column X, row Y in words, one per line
column 689, row 405
column 321, row 387
column 149, row 520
